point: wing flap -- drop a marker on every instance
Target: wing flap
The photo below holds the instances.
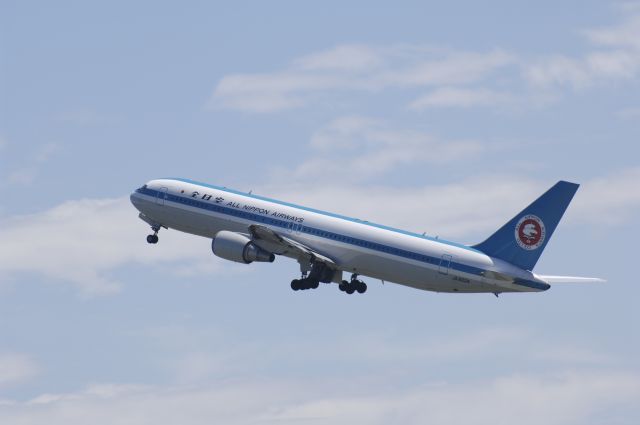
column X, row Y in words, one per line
column 267, row 238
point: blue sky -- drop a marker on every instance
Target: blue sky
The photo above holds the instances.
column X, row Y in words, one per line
column 440, row 118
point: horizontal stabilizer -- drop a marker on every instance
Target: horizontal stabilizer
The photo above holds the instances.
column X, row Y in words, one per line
column 570, row 279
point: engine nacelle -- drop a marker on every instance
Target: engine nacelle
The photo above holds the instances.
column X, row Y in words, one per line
column 239, row 248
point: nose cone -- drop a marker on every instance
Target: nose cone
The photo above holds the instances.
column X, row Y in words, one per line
column 136, row 197
column 135, row 200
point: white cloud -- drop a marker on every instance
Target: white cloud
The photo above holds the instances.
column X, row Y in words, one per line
column 16, row 368
column 625, row 34
column 342, row 58
column 356, row 148
column 269, row 93
column 82, row 241
column 459, row 97
column 609, row 200
column 562, row 399
column 453, row 68
column 354, row 67
column 580, row 73
column 558, row 70
column 196, row 356
column 615, row 56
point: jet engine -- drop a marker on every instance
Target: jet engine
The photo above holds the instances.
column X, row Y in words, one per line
column 239, row 248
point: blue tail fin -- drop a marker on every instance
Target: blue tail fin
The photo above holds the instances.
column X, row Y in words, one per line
column 522, row 240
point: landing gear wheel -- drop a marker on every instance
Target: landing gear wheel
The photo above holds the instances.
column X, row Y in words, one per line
column 361, row 287
column 354, row 285
column 313, row 284
column 343, row 286
column 295, row 284
column 152, row 239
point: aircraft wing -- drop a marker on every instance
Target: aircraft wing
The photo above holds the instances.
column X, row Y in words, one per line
column 570, row 279
column 274, row 242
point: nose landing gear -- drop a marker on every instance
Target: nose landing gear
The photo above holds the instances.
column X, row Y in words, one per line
column 155, row 226
column 153, row 239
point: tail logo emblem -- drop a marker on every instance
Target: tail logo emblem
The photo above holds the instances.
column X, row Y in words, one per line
column 530, row 232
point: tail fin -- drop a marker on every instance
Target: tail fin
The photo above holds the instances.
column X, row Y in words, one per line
column 522, row 240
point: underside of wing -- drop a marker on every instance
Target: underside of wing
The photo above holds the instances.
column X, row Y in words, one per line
column 274, row 242
column 570, row 279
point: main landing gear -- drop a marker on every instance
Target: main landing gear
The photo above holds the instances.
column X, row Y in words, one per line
column 312, row 281
column 354, row 285
column 319, row 273
column 304, row 283
column 153, row 239
column 315, row 272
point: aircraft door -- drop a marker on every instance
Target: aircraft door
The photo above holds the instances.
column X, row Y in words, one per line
column 162, row 195
column 294, row 227
column 445, row 263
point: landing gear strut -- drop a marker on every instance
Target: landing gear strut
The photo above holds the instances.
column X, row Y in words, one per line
column 354, row 285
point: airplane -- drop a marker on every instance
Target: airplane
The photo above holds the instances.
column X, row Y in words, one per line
column 247, row 228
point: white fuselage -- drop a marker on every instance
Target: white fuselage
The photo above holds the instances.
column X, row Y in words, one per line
column 355, row 246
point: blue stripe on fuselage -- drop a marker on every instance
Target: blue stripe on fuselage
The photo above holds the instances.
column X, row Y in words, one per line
column 313, row 231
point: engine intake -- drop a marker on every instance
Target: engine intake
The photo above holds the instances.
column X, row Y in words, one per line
column 239, row 248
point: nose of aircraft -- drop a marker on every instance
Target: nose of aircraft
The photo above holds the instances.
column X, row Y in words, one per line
column 135, row 197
